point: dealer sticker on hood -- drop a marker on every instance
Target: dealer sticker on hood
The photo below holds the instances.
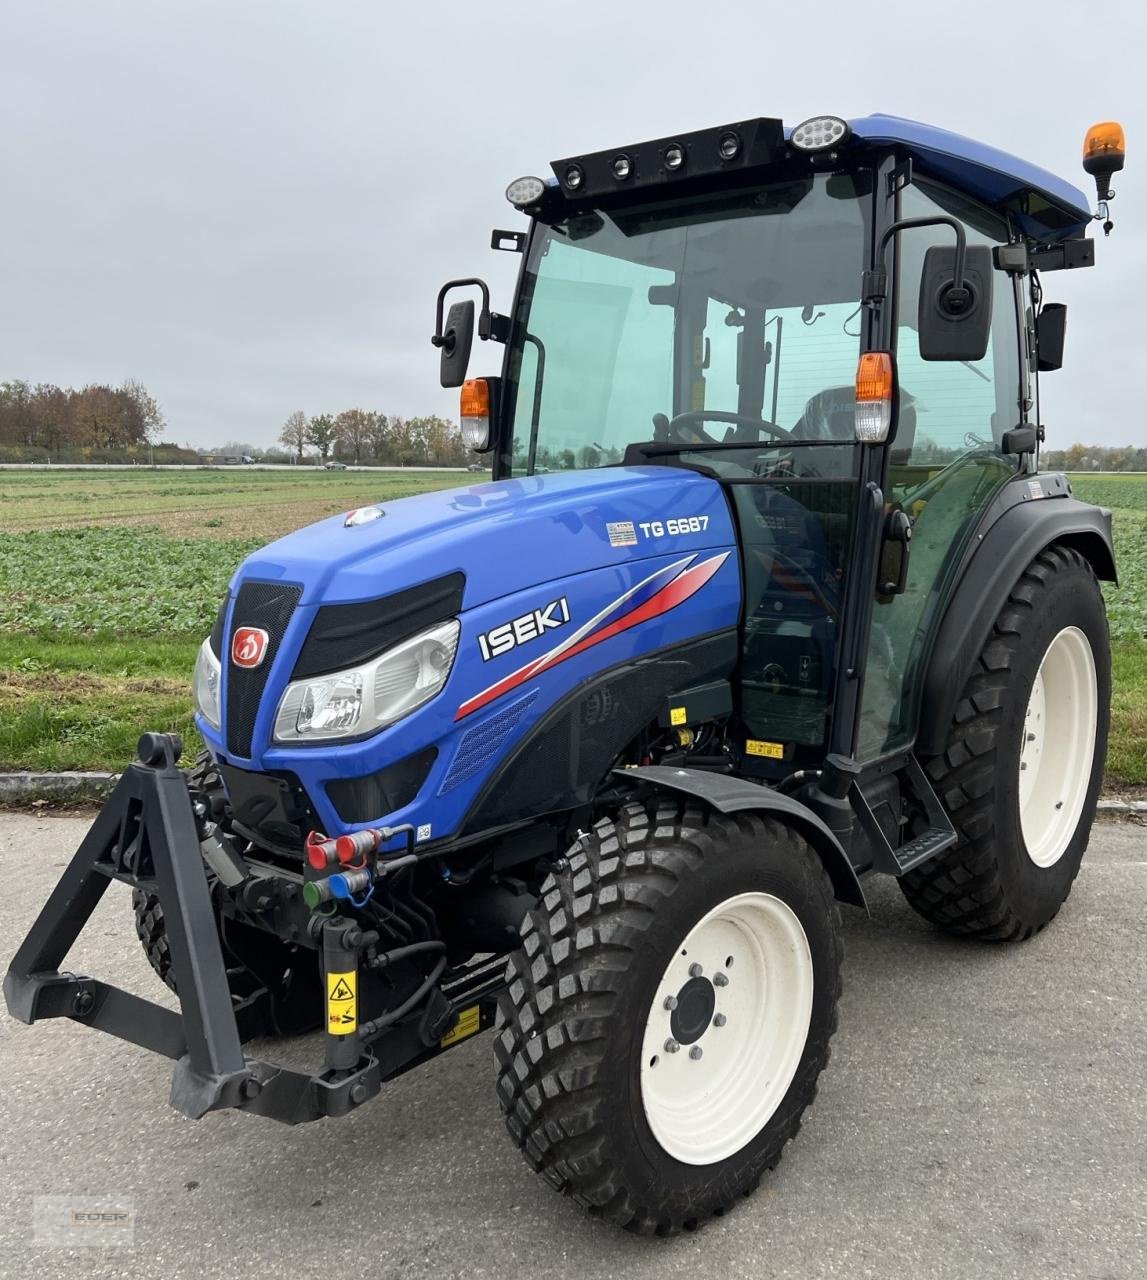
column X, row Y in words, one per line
column 621, row 533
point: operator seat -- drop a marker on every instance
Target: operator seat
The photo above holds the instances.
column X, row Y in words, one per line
column 831, row 415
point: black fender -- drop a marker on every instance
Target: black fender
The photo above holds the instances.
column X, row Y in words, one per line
column 1002, row 552
column 728, row 794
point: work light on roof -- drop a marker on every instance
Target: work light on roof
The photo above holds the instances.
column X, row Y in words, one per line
column 525, row 191
column 673, row 156
column 729, row 145
column 622, row 167
column 573, row 177
column 819, row 133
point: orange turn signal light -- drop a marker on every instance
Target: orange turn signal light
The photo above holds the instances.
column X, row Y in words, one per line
column 874, row 384
column 874, row 377
column 1103, row 144
column 475, row 398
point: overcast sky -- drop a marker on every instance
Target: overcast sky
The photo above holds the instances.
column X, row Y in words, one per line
column 250, row 206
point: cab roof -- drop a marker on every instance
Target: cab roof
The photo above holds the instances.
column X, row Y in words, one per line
column 1042, row 205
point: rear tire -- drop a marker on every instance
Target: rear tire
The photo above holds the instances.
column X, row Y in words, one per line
column 647, row 1137
column 1021, row 772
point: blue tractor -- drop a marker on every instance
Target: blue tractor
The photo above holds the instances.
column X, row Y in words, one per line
column 766, row 594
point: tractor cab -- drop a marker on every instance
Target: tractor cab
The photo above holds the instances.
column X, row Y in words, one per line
column 842, row 324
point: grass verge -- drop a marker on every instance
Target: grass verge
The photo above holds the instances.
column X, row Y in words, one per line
column 82, row 704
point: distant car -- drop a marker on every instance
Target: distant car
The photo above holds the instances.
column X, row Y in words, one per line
column 475, row 466
column 334, row 465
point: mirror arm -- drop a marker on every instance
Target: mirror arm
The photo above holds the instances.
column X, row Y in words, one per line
column 875, row 287
column 486, row 320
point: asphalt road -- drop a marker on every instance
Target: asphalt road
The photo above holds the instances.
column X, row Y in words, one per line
column 983, row 1116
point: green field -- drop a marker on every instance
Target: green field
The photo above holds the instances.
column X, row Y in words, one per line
column 109, row 581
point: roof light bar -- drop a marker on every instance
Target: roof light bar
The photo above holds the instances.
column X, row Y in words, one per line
column 743, row 144
column 819, row 133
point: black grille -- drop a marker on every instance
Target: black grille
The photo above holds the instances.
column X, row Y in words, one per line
column 343, row 635
column 259, row 604
column 376, row 795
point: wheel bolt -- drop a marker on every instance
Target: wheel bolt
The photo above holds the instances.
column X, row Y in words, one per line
column 671, row 1003
column 671, row 1046
column 695, row 1052
column 695, row 971
column 719, row 1020
column 721, row 980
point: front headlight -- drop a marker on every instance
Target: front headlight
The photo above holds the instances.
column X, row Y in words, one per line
column 349, row 704
column 206, row 685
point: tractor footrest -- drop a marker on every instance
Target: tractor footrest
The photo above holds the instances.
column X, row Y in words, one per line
column 922, row 847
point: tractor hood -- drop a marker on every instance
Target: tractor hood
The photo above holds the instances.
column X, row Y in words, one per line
column 503, row 536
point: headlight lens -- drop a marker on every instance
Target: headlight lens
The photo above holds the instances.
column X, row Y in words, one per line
column 348, row 704
column 206, row 685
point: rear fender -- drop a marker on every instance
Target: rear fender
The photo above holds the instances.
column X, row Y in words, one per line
column 733, row 795
column 1003, row 552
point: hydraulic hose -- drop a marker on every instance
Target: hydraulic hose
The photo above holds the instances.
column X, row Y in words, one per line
column 375, row 1025
column 403, row 953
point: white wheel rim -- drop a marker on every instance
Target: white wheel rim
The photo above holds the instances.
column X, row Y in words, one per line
column 702, row 1107
column 1058, row 746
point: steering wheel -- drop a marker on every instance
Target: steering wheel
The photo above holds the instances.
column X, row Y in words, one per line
column 697, row 416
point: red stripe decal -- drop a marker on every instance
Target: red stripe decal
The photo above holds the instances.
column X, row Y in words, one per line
column 669, row 597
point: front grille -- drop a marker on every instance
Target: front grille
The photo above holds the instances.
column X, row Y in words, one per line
column 376, row 795
column 259, row 604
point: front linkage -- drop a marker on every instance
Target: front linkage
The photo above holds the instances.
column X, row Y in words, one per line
column 147, row 836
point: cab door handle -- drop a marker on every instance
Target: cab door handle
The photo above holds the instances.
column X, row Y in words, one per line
column 893, row 576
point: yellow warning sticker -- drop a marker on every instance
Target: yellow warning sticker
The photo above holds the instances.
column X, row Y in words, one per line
column 342, row 1003
column 677, row 715
column 468, row 1022
column 774, row 750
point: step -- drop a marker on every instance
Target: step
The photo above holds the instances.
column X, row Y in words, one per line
column 922, row 847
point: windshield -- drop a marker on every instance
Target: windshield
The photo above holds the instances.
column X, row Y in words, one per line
column 728, row 318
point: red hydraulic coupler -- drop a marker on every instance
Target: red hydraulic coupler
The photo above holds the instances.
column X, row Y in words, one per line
column 321, row 852
column 352, row 850
column 359, row 845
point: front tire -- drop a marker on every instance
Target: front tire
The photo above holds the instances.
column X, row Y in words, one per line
column 1021, row 772
column 669, row 1013
column 150, row 926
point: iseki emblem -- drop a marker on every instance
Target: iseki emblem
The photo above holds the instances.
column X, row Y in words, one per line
column 249, row 646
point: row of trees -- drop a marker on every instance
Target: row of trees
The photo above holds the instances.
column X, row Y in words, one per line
column 56, row 420
column 364, row 436
column 1095, row 457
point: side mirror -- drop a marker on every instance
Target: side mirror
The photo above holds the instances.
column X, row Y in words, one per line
column 955, row 324
column 1050, row 328
column 456, row 340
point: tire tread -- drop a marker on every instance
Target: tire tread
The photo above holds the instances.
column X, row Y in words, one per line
column 962, row 890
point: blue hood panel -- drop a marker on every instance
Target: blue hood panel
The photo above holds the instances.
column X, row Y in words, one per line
column 587, row 570
column 503, row 536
